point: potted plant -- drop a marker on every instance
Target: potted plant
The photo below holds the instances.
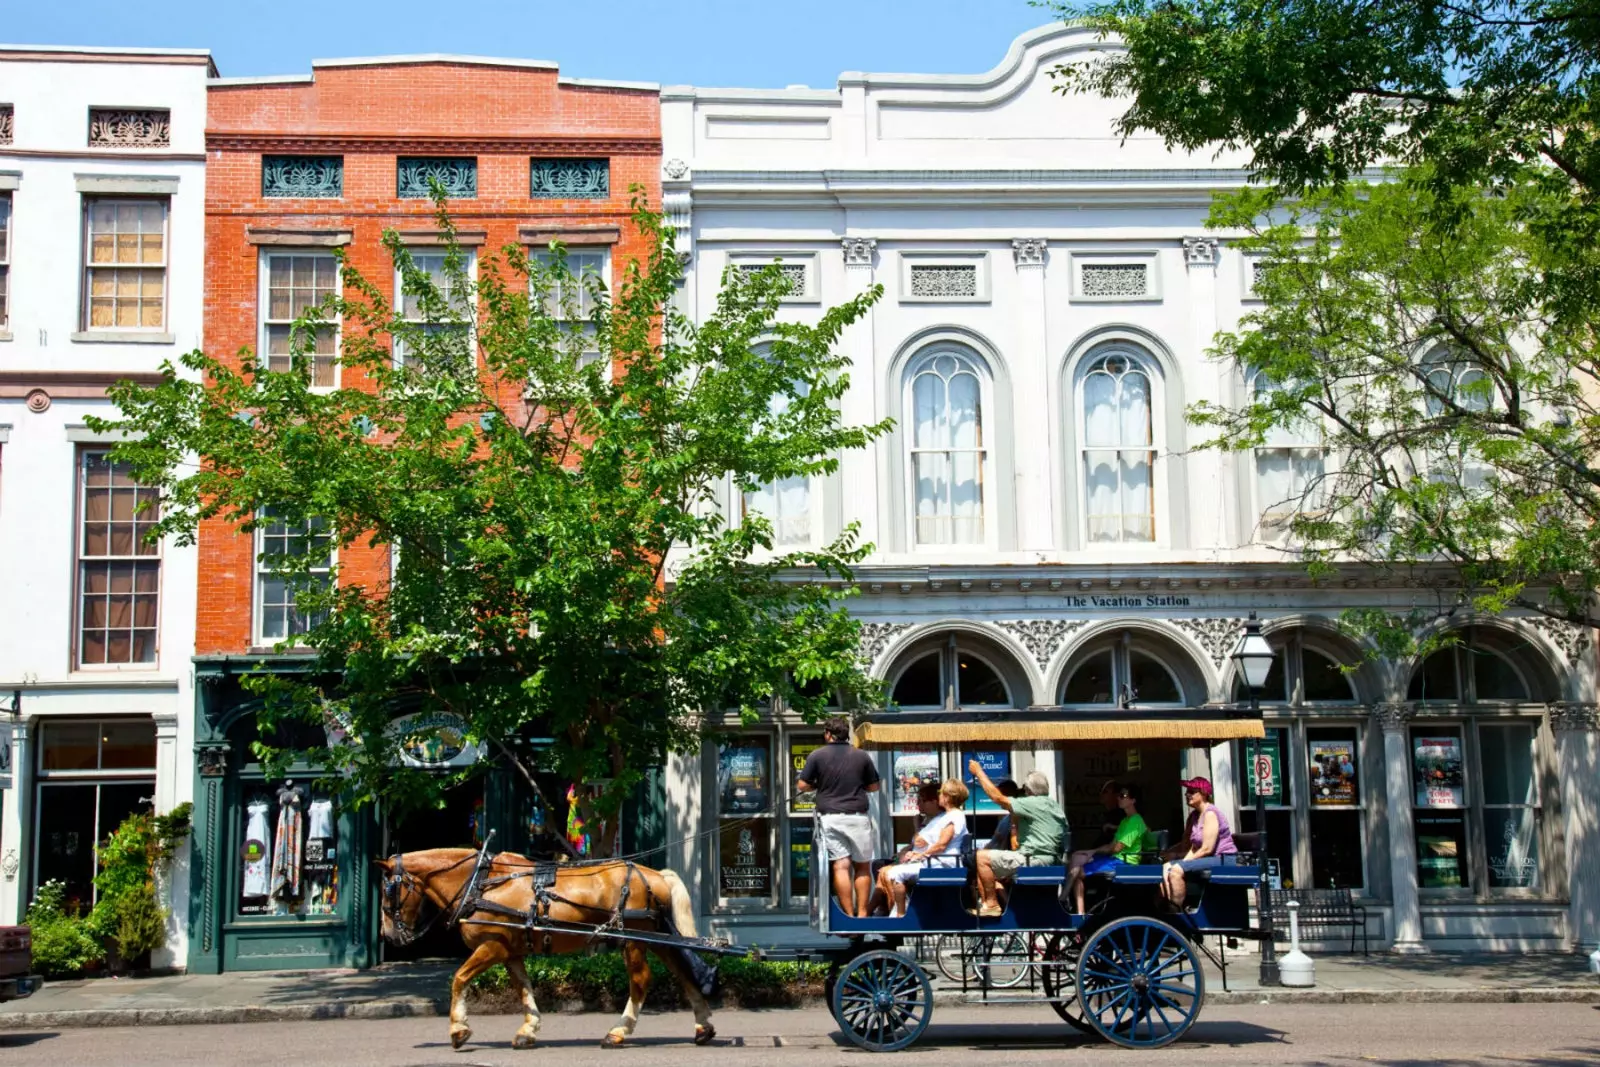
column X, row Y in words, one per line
column 128, row 917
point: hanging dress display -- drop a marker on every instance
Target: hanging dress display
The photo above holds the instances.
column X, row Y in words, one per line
column 257, row 858
column 319, row 826
column 286, row 846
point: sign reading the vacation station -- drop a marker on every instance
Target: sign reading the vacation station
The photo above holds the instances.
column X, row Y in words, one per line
column 1130, row 600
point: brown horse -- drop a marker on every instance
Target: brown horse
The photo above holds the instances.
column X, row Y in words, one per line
column 589, row 893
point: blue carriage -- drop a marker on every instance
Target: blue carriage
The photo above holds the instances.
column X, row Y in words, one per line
column 1129, row 970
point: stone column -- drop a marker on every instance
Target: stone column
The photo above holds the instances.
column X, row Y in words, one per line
column 1031, row 400
column 859, row 473
column 1393, row 719
column 16, row 830
column 1577, row 731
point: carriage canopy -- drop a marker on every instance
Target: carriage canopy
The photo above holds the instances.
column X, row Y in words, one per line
column 1177, row 726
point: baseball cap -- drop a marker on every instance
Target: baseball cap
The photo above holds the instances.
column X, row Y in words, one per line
column 1201, row 784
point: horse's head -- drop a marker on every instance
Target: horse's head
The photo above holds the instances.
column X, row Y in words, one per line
column 402, row 901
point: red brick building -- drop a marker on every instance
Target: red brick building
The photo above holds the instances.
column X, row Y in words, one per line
column 297, row 167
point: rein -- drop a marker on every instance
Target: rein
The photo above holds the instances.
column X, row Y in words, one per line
column 401, row 879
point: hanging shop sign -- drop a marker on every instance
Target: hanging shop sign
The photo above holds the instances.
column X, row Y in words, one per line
column 435, row 740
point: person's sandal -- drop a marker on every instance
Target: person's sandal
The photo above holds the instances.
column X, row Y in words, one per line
column 991, row 912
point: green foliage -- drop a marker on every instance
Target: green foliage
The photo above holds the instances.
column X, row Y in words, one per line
column 564, row 567
column 63, row 943
column 141, row 922
column 127, row 910
column 602, row 978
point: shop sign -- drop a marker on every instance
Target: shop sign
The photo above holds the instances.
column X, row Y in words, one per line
column 996, row 765
column 1266, row 768
column 799, row 752
column 912, row 768
column 1514, row 861
column 1333, row 773
column 435, row 740
column 746, row 872
column 1439, row 772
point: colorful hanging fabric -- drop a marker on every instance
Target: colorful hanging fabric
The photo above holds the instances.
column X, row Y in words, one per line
column 577, row 828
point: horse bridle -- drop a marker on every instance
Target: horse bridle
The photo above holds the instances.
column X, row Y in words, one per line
column 399, row 879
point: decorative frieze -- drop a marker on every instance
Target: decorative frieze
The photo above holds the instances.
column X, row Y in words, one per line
column 1574, row 716
column 1042, row 637
column 569, row 179
column 858, row 251
column 944, row 280
column 1572, row 640
column 675, row 170
column 302, row 177
column 414, row 177
column 793, row 273
column 1219, row 637
column 1393, row 718
column 1029, row 251
column 1200, row 251
column 116, row 128
column 1104, row 281
column 877, row 636
column 8, row 123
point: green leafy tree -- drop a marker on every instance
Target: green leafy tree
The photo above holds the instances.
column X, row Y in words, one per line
column 550, row 464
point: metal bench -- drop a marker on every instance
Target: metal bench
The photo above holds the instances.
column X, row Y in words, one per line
column 1321, row 909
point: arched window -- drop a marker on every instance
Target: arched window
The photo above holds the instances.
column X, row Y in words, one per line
column 1467, row 673
column 786, row 503
column 950, row 677
column 1117, row 442
column 1120, row 674
column 1289, row 466
column 944, row 401
column 1453, row 383
column 1301, row 674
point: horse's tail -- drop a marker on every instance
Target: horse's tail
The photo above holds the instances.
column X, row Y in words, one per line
column 681, row 905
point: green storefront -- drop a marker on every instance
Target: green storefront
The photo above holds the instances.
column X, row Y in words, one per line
column 281, row 869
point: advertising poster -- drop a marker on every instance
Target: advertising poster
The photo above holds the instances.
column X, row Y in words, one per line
column 1440, row 780
column 1264, row 765
column 996, row 765
column 746, row 868
column 912, row 767
column 743, row 785
column 1333, row 773
column 799, row 752
column 799, row 858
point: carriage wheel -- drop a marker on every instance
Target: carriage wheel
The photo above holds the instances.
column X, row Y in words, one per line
column 882, row 1001
column 1140, row 983
column 1059, row 976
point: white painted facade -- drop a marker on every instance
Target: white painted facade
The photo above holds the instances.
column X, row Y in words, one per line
column 1008, row 226
column 57, row 355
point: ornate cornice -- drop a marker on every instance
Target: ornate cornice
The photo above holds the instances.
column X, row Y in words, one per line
column 1200, row 251
column 1029, row 251
column 1393, row 718
column 244, row 141
column 1574, row 716
column 1218, row 637
column 1042, row 637
column 877, row 636
column 858, row 251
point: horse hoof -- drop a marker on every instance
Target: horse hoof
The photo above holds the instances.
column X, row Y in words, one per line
column 612, row 1040
column 524, row 1040
column 460, row 1037
column 704, row 1035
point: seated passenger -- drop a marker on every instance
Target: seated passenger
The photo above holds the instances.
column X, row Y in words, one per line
column 1041, row 826
column 1004, row 835
column 1124, row 846
column 937, row 844
column 1207, row 838
column 928, row 809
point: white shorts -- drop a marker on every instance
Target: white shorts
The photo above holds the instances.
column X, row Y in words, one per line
column 847, row 837
column 903, row 872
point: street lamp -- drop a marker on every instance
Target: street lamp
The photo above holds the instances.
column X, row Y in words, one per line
column 1254, row 657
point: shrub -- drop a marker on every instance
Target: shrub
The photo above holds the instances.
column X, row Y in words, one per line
column 601, row 980
column 63, row 943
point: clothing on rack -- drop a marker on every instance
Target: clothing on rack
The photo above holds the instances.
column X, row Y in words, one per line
column 257, row 856
column 286, row 852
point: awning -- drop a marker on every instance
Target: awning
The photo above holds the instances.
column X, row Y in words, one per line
column 895, row 730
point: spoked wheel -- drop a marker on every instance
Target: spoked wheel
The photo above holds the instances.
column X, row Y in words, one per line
column 950, row 955
column 1140, row 983
column 1005, row 958
column 882, row 1001
column 1059, row 975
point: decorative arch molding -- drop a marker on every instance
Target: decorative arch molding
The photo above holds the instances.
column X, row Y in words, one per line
column 1542, row 663
column 893, row 490
column 1183, row 655
column 1003, row 651
column 1319, row 633
column 1172, row 503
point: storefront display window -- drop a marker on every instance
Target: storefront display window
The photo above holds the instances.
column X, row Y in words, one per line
column 744, row 819
column 1333, row 762
column 1510, row 805
column 91, row 775
column 289, row 852
column 1280, row 799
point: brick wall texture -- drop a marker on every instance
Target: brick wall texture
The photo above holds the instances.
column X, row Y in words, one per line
column 372, row 114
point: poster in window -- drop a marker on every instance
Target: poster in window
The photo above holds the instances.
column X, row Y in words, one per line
column 1263, row 768
column 1440, row 780
column 799, row 752
column 745, row 867
column 743, row 783
column 1441, row 851
column 912, row 767
column 1332, row 766
column 996, row 765
column 799, row 857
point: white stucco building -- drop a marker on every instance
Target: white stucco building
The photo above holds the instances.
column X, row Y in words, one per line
column 102, row 197
column 1047, row 535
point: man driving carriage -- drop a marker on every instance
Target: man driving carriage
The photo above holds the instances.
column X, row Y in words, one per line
column 842, row 776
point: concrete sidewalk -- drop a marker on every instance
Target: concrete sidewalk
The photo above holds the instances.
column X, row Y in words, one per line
column 400, row 990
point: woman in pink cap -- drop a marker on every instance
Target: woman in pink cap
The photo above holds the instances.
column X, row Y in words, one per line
column 1207, row 838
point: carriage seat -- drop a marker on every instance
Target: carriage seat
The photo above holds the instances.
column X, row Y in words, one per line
column 942, row 876
column 1051, row 875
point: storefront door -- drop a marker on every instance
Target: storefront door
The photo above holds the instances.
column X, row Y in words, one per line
column 455, row 825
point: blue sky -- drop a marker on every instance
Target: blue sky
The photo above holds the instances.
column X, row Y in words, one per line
column 700, row 42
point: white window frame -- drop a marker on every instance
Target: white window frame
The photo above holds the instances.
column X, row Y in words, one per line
column 470, row 255
column 89, row 267
column 811, row 291
column 264, row 321
column 985, row 449
column 261, row 575
column 1158, row 446
column 555, row 298
column 1273, row 526
column 1249, row 262
column 950, row 653
column 979, row 261
column 1122, row 646
column 7, row 206
column 1149, row 259
column 82, row 561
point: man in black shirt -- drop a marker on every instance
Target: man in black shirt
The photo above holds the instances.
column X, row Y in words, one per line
column 842, row 776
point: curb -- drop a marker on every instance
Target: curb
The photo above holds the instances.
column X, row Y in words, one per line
column 415, row 1007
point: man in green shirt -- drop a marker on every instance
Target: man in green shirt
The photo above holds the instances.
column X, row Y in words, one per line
column 1041, row 828
column 1124, row 846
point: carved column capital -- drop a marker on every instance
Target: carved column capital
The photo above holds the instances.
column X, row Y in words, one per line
column 1200, row 251
column 212, row 760
column 858, row 251
column 1393, row 718
column 1029, row 251
column 1575, row 716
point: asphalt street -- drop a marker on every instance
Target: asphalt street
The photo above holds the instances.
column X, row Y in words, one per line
column 1403, row 1035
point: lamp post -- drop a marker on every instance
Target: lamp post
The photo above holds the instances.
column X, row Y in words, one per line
column 1254, row 657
